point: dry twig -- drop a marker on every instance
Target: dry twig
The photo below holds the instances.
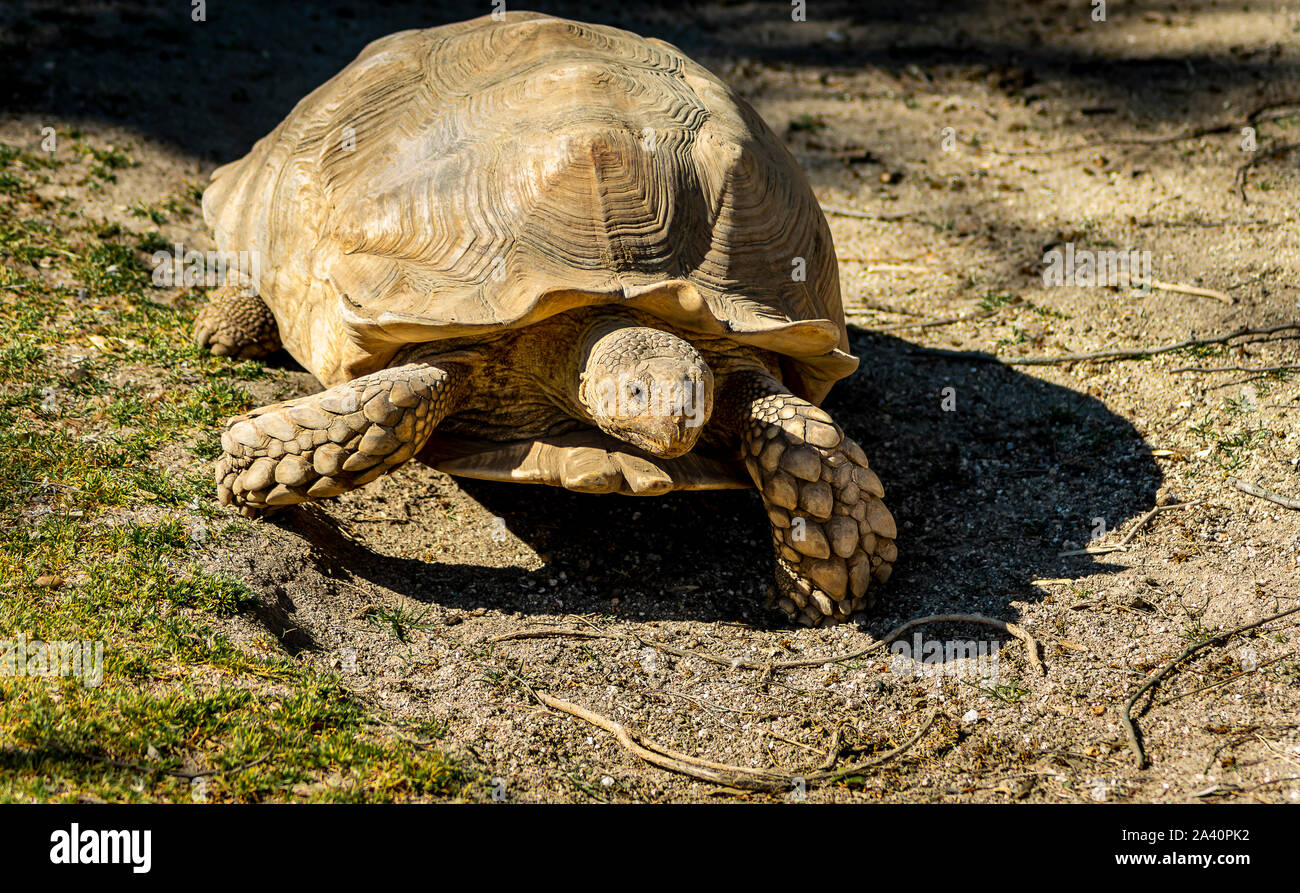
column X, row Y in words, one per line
column 1118, row 354
column 1254, row 118
column 1262, row 493
column 741, row 777
column 1182, row 289
column 1011, row 629
column 1122, row 545
column 929, row 324
column 1126, row 717
column 837, row 211
column 1236, row 368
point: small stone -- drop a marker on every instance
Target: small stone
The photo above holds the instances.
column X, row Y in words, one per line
column 802, row 463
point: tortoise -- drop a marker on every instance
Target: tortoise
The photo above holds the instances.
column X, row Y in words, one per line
column 528, row 249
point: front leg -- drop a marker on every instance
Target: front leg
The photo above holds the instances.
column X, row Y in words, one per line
column 834, row 537
column 340, row 439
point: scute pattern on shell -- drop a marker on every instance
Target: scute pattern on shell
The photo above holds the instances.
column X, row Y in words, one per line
column 460, row 180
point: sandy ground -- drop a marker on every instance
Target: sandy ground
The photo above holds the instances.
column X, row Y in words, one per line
column 956, row 130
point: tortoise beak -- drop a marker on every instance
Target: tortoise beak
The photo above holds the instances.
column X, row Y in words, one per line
column 673, row 436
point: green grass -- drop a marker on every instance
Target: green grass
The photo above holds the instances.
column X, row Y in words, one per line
column 98, row 540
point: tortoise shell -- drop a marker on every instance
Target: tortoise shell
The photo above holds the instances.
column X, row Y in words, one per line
column 462, row 181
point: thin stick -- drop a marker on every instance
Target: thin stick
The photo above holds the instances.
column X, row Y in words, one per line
column 1243, row 172
column 1256, row 490
column 664, row 758
column 719, row 773
column 1225, row 127
column 929, row 324
column 1126, row 717
column 885, row 757
column 1182, row 289
column 1011, row 629
column 1236, row 368
column 547, row 634
column 1123, row 354
column 883, row 308
column 1122, row 545
column 837, row 211
column 1225, row 681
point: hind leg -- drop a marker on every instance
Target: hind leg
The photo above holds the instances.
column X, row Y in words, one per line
column 340, row 439
column 237, row 324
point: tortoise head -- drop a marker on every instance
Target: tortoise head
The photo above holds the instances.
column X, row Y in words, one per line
column 645, row 386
